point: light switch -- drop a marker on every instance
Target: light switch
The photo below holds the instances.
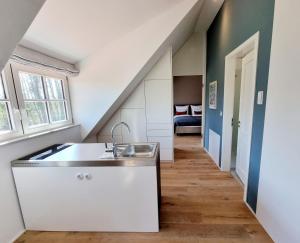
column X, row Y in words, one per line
column 260, row 97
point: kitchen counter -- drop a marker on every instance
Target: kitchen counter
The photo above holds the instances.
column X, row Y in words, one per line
column 81, row 187
column 82, row 154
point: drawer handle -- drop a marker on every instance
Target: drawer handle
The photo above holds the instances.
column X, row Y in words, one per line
column 88, row 176
column 80, row 176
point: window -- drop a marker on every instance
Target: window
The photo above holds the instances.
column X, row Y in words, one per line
column 34, row 99
column 5, row 120
column 10, row 124
column 41, row 97
column 57, row 102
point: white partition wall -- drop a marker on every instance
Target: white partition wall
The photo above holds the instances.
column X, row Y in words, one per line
column 278, row 204
column 148, row 111
column 159, row 106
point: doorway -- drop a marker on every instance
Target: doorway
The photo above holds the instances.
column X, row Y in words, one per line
column 239, row 96
column 187, row 98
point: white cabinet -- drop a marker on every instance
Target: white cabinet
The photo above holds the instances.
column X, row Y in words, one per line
column 160, row 129
column 136, row 120
column 148, row 110
column 137, row 98
column 133, row 113
column 116, row 198
column 159, row 106
column 159, row 113
column 159, row 100
column 166, row 147
column 159, row 132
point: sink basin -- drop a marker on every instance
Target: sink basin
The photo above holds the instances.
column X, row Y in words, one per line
column 139, row 150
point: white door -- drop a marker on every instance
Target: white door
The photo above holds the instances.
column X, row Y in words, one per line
column 159, row 100
column 245, row 116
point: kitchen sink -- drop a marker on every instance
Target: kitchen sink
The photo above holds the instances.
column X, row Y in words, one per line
column 139, row 150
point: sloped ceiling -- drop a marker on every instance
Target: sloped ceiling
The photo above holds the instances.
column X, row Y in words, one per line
column 15, row 18
column 73, row 30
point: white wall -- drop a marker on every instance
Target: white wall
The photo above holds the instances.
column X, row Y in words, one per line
column 278, row 206
column 15, row 18
column 11, row 224
column 109, row 75
column 189, row 58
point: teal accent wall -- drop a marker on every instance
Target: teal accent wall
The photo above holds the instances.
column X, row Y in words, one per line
column 236, row 22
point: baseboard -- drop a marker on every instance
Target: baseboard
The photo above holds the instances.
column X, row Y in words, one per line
column 17, row 236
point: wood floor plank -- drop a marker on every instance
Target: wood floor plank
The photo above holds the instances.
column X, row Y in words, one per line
column 200, row 204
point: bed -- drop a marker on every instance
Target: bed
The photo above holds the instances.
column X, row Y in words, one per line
column 187, row 124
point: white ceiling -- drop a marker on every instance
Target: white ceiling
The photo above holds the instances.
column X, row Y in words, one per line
column 72, row 30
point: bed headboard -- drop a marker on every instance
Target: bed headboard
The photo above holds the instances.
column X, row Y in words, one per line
column 190, row 111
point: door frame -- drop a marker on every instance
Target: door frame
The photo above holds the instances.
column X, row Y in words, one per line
column 204, row 46
column 252, row 44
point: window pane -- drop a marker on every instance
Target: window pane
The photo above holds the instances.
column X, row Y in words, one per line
column 36, row 113
column 54, row 88
column 32, row 86
column 57, row 111
column 2, row 94
column 4, row 118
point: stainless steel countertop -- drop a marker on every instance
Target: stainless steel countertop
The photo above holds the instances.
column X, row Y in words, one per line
column 88, row 154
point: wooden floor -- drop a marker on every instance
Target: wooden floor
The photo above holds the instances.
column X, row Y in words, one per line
column 199, row 204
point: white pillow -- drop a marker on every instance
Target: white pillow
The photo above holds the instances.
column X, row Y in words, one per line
column 196, row 110
column 182, row 108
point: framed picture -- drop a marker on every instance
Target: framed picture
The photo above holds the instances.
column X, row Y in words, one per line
column 212, row 95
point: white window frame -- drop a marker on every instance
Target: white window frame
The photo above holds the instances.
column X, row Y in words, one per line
column 16, row 68
column 11, row 99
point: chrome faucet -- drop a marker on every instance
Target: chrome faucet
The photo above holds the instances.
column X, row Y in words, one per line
column 114, row 147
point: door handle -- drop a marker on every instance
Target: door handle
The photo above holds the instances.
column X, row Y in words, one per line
column 239, row 124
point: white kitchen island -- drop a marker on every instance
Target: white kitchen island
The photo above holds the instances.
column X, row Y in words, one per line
column 80, row 189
